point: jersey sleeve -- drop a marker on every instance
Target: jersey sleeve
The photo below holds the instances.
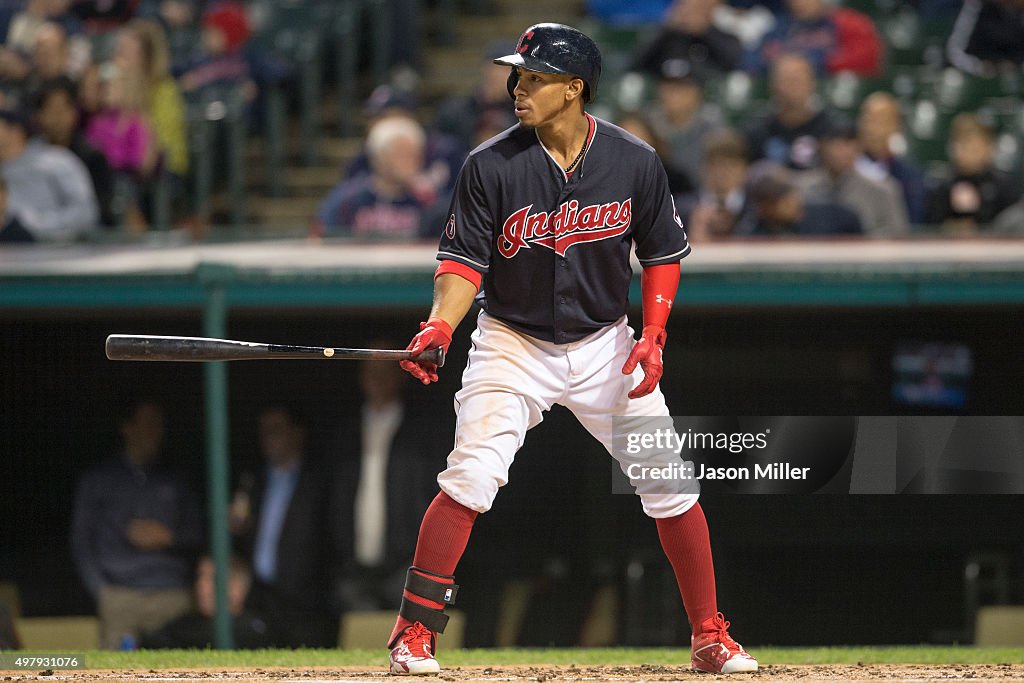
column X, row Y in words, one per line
column 468, row 231
column 658, row 231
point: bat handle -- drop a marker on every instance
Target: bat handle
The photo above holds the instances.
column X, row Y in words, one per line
column 431, row 356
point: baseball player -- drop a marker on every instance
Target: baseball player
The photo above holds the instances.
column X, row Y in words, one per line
column 539, row 233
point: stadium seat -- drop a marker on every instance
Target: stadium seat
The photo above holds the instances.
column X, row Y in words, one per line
column 999, row 626
column 292, row 38
column 370, row 630
column 218, row 120
column 845, row 91
column 11, row 596
column 57, row 634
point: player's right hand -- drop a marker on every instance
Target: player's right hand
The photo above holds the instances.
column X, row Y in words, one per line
column 433, row 334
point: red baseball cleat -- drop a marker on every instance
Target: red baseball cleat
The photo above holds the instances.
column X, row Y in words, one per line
column 714, row 650
column 413, row 652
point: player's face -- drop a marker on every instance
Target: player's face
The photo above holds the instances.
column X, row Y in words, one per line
column 541, row 98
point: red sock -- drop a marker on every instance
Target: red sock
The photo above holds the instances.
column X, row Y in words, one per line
column 444, row 533
column 685, row 541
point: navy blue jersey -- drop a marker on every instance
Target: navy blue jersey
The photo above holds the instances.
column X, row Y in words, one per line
column 554, row 252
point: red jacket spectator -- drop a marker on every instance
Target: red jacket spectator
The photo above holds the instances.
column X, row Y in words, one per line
column 832, row 39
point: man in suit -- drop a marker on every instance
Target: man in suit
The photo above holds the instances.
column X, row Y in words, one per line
column 288, row 537
column 386, row 477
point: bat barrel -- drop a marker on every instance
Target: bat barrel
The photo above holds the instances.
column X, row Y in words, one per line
column 196, row 349
column 199, row 349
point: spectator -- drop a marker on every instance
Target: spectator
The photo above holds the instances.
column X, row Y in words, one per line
column 880, row 126
column 50, row 52
column 179, row 21
column 988, row 37
column 57, row 120
column 681, row 117
column 11, row 231
column 290, row 538
column 627, row 12
column 101, row 16
column 21, row 32
column 135, row 528
column 141, row 51
column 386, row 479
column 394, row 200
column 50, row 192
column 443, row 153
column 789, row 134
column 222, row 66
column 781, row 210
column 878, row 204
column 687, row 34
column 832, row 39
column 49, row 20
column 679, row 182
column 972, row 192
column 119, row 130
column 489, row 105
column 195, row 629
column 121, row 133
column 721, row 209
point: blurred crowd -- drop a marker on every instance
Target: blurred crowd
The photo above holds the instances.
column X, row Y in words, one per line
column 93, row 106
column 798, row 165
column 321, row 524
column 94, row 102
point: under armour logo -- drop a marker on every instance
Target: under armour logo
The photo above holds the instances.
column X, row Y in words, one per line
column 523, row 45
column 659, row 299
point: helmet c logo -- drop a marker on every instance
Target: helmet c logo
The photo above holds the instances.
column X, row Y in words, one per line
column 523, row 44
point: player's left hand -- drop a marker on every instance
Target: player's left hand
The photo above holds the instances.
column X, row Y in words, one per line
column 433, row 333
column 647, row 354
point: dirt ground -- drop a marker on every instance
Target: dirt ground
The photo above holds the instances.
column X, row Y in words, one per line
column 1005, row 673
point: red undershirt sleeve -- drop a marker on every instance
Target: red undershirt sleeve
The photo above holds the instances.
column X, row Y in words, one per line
column 460, row 269
column 658, row 285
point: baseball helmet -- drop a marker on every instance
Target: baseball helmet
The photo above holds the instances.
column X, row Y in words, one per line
column 556, row 49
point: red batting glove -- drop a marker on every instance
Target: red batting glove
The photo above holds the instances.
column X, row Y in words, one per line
column 433, row 333
column 647, row 353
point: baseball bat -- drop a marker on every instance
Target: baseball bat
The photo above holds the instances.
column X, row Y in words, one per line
column 199, row 349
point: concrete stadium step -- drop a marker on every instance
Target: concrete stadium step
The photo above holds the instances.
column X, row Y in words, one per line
column 534, row 11
column 283, row 212
column 299, row 181
column 333, row 150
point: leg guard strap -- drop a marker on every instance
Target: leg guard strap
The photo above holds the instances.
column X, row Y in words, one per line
column 434, row 619
column 425, row 587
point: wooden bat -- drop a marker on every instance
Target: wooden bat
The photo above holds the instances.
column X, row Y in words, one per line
column 199, row 349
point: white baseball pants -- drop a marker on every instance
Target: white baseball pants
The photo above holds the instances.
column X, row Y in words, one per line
column 512, row 378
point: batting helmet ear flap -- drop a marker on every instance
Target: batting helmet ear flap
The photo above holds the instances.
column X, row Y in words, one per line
column 512, row 82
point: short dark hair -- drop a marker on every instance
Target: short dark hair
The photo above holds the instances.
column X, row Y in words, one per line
column 126, row 405
column 726, row 144
column 295, row 413
column 16, row 117
column 62, row 84
column 967, row 124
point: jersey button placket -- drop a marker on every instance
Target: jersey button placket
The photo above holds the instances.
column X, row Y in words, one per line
column 562, row 284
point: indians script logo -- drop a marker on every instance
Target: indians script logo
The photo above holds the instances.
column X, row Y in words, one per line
column 561, row 229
